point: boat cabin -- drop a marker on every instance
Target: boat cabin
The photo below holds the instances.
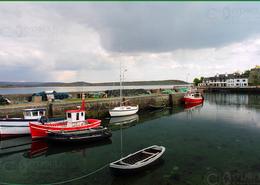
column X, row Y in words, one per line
column 75, row 115
column 36, row 113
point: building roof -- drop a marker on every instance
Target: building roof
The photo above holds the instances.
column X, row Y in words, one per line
column 226, row 76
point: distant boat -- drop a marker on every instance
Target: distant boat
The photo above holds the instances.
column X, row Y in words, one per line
column 12, row 127
column 193, row 98
column 138, row 160
column 75, row 121
column 88, row 135
column 123, row 110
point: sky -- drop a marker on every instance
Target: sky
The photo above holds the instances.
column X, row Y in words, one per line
column 87, row 41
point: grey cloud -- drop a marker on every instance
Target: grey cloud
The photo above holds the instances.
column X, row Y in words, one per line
column 84, row 39
column 155, row 27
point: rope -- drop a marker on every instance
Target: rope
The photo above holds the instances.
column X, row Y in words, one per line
column 66, row 181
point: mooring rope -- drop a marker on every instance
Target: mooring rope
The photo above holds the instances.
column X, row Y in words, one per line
column 62, row 182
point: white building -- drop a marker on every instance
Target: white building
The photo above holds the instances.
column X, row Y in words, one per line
column 226, row 80
column 237, row 82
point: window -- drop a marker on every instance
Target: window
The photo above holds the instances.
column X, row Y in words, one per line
column 237, row 80
column 27, row 113
column 245, row 84
column 82, row 114
column 35, row 113
column 237, row 84
column 77, row 118
column 244, row 80
column 69, row 115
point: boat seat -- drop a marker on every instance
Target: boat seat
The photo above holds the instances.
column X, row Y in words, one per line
column 146, row 159
column 121, row 162
column 147, row 153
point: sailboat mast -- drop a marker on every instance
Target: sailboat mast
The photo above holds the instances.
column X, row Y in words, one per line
column 120, row 83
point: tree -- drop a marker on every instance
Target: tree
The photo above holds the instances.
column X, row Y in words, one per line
column 196, row 81
column 246, row 73
column 254, row 77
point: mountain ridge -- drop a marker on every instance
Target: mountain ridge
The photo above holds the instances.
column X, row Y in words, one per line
column 82, row 83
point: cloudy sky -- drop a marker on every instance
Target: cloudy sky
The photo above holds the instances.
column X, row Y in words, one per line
column 154, row 41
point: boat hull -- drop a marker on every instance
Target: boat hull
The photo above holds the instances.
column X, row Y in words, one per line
column 123, row 112
column 41, row 131
column 192, row 100
column 88, row 135
column 14, row 127
column 153, row 165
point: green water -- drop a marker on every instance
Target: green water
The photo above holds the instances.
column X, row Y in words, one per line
column 217, row 143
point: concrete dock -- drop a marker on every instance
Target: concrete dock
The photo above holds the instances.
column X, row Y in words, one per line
column 96, row 108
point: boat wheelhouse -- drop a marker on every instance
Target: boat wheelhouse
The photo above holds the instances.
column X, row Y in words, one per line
column 75, row 121
column 11, row 127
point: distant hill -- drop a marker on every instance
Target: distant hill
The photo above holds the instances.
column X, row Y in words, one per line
column 62, row 84
column 158, row 82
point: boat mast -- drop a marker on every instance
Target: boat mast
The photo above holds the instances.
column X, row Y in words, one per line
column 120, row 83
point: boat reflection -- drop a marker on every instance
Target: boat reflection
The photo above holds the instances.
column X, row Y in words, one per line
column 190, row 107
column 44, row 148
column 14, row 145
column 124, row 121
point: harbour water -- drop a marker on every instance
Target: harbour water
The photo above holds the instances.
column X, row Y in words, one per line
column 215, row 143
column 30, row 90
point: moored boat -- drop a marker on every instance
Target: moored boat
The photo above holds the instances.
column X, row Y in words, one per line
column 193, row 98
column 13, row 127
column 138, row 160
column 123, row 111
column 75, row 121
column 87, row 135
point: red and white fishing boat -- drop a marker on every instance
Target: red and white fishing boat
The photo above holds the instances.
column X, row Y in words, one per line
column 75, row 121
column 193, row 98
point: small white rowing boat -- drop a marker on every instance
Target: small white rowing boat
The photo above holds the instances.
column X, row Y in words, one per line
column 139, row 159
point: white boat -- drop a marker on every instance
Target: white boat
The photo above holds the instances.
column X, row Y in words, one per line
column 10, row 127
column 123, row 110
column 138, row 160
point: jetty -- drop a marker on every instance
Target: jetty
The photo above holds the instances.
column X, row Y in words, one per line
column 95, row 107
